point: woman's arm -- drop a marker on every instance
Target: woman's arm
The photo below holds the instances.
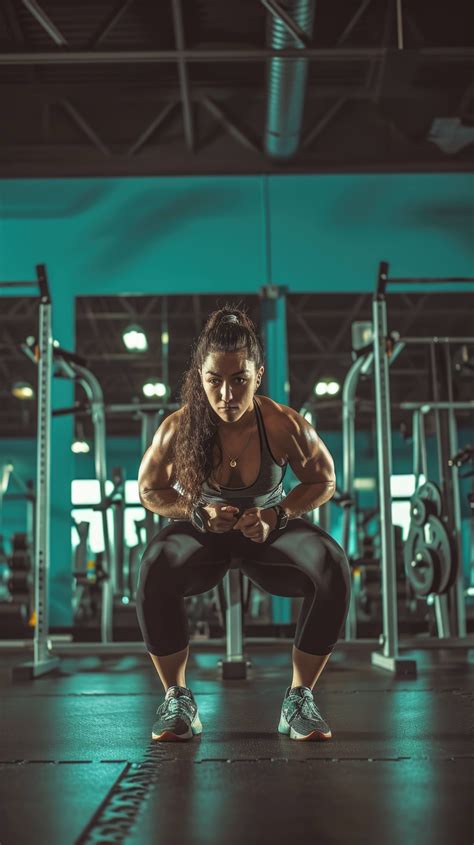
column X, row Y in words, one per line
column 310, row 461
column 155, row 476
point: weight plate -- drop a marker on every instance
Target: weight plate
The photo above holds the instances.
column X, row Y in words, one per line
column 437, row 538
column 431, row 493
column 418, row 511
column 422, row 565
column 20, row 541
column 21, row 561
column 428, row 558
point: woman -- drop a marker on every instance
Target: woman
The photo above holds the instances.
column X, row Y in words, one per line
column 215, row 468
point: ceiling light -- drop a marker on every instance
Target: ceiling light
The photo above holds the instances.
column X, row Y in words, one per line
column 80, row 446
column 320, row 388
column 134, row 339
column 154, row 388
column 23, row 390
column 327, row 386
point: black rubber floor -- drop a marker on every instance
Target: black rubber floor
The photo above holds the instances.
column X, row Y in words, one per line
column 77, row 764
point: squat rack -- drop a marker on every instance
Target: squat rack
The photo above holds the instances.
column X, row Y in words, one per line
column 43, row 661
column 389, row 657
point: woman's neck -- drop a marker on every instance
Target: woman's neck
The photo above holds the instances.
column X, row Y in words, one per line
column 244, row 424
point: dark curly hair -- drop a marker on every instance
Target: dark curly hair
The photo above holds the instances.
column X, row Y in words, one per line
column 197, row 430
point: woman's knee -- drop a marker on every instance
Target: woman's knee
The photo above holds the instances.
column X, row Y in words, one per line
column 340, row 570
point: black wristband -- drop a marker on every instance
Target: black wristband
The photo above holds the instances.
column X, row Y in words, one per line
column 198, row 519
column 282, row 518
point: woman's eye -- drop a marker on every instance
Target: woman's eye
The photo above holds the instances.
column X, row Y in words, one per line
column 216, row 381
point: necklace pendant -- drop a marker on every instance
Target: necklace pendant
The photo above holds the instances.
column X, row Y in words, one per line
column 233, row 463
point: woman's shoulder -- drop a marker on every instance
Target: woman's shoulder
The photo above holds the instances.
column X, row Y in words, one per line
column 280, row 418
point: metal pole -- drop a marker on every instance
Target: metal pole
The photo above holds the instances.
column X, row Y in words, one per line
column 234, row 666
column 94, row 392
column 150, row 422
column 43, row 474
column 457, row 591
column 416, row 447
column 43, row 662
column 348, row 455
column 389, row 658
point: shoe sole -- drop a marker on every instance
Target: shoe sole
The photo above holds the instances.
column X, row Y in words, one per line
column 314, row 736
column 169, row 736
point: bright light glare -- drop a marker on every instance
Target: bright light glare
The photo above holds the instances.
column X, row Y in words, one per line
column 134, row 339
column 80, row 446
column 333, row 388
column 156, row 388
column 321, row 388
column 23, row 390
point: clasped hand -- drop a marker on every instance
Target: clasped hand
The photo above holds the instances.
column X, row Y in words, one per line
column 254, row 523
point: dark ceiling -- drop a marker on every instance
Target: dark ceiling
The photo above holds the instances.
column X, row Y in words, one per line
column 181, row 87
column 140, row 87
column 319, row 345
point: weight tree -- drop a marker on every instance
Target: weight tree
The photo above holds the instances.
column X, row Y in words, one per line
column 389, row 657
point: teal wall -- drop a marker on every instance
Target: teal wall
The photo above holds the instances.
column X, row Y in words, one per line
column 203, row 234
column 207, row 235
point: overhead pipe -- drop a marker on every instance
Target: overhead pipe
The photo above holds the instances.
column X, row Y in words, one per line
column 286, row 80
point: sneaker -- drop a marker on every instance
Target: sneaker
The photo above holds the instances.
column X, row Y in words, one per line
column 177, row 717
column 300, row 718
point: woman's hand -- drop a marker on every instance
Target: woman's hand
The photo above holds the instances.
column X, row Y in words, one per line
column 256, row 523
column 221, row 518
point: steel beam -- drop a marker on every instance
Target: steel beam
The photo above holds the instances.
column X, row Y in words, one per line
column 45, row 22
column 183, row 75
column 86, row 128
column 280, row 13
column 150, row 129
column 232, row 129
column 324, row 121
column 353, row 21
column 119, row 10
column 230, row 54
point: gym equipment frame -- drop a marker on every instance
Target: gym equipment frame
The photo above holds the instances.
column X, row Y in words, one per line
column 43, row 661
column 389, row 657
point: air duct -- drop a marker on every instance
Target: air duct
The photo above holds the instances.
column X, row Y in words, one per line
column 286, row 81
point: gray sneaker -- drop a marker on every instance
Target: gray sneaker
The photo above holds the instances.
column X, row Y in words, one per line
column 177, row 717
column 300, row 718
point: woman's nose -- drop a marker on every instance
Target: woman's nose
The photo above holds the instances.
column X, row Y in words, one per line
column 226, row 391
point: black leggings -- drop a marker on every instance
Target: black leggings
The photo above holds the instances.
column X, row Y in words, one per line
column 301, row 560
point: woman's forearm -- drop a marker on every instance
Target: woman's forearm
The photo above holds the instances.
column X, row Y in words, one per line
column 167, row 502
column 306, row 497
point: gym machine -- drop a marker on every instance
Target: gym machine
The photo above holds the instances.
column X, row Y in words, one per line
column 383, row 349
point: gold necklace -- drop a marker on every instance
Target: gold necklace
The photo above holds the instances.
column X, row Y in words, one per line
column 233, row 461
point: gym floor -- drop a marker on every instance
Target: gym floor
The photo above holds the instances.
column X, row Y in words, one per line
column 77, row 764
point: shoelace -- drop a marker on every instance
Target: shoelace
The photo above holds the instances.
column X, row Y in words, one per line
column 305, row 707
column 174, row 703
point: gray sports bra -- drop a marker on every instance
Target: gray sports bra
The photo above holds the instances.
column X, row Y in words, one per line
column 267, row 489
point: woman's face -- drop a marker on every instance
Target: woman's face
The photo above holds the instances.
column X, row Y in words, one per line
column 230, row 380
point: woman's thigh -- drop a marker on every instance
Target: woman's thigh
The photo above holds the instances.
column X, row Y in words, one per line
column 295, row 560
column 181, row 559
